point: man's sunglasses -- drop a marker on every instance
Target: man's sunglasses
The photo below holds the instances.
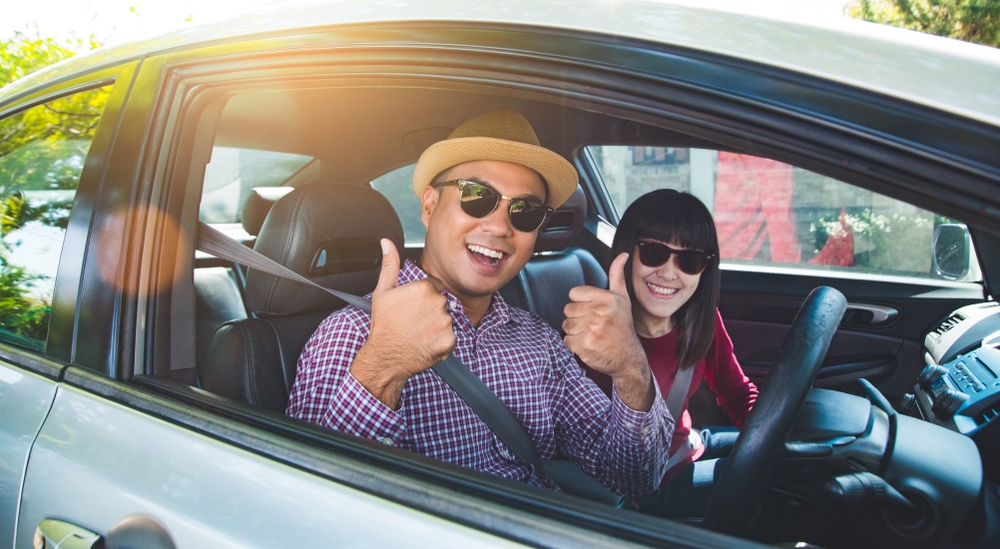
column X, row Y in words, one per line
column 479, row 201
column 692, row 262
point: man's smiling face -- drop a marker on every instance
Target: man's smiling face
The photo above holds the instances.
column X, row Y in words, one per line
column 476, row 257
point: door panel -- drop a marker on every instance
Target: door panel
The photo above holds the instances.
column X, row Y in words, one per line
column 24, row 400
column 96, row 462
column 888, row 353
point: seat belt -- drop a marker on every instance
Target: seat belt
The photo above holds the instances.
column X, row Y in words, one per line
column 678, row 392
column 484, row 402
column 675, row 405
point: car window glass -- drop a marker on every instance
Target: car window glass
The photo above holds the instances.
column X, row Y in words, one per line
column 233, row 172
column 397, row 186
column 771, row 213
column 42, row 153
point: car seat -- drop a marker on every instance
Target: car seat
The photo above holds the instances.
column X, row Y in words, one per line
column 543, row 286
column 327, row 232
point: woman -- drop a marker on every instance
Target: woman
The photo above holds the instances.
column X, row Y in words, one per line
column 672, row 278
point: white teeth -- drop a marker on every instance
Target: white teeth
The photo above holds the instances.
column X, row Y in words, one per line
column 661, row 290
column 485, row 251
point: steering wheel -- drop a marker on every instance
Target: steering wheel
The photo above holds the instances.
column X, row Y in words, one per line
column 740, row 486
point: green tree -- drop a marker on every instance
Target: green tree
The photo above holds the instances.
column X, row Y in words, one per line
column 970, row 20
column 24, row 54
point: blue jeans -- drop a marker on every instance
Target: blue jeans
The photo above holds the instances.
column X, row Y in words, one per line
column 690, row 491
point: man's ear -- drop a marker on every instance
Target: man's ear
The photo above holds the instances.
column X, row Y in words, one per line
column 428, row 201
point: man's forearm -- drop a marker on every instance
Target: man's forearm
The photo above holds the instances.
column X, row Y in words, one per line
column 377, row 379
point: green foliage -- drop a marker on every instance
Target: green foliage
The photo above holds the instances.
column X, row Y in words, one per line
column 885, row 243
column 970, row 20
column 23, row 54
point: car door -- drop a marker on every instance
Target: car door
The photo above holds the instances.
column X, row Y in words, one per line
column 105, row 452
column 129, row 435
column 54, row 140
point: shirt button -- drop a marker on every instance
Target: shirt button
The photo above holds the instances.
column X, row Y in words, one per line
column 645, row 430
column 452, row 305
column 386, row 440
column 628, row 425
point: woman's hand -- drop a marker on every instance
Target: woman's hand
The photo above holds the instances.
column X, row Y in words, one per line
column 600, row 330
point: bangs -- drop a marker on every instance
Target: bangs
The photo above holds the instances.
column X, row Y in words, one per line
column 674, row 218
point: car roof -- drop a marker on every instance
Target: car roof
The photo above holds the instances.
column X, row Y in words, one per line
column 941, row 73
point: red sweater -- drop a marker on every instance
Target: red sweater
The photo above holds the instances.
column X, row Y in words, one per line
column 733, row 390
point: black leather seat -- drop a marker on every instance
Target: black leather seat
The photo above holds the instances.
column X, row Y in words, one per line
column 219, row 285
column 543, row 286
column 327, row 232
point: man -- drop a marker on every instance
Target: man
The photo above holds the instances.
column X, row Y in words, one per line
column 484, row 193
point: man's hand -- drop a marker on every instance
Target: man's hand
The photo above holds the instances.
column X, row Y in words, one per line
column 410, row 331
column 600, row 330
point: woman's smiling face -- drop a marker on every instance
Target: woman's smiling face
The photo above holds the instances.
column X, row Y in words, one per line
column 659, row 292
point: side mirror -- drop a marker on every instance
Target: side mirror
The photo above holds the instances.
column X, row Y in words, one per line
column 952, row 245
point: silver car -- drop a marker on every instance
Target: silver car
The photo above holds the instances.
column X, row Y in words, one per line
column 143, row 380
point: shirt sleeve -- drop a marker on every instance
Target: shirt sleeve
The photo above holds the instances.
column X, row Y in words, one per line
column 626, row 450
column 327, row 394
column 733, row 390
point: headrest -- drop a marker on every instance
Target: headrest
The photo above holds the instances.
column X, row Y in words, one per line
column 257, row 204
column 564, row 224
column 329, row 233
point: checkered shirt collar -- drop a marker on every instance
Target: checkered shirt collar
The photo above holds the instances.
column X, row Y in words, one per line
column 498, row 313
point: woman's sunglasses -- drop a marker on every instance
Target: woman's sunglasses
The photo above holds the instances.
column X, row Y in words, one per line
column 479, row 201
column 692, row 262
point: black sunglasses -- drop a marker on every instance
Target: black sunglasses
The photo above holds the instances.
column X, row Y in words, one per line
column 692, row 262
column 479, row 201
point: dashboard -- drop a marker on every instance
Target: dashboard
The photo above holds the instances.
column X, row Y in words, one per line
column 959, row 387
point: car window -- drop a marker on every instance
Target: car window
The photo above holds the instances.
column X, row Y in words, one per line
column 42, row 153
column 397, row 186
column 771, row 213
column 233, row 172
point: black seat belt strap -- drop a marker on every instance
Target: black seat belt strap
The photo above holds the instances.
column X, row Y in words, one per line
column 483, row 401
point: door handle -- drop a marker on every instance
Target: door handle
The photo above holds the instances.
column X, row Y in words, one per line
column 52, row 533
column 131, row 532
column 871, row 315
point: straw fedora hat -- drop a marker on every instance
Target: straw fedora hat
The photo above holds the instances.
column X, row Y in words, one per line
column 504, row 135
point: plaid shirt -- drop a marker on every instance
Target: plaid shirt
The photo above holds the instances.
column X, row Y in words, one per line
column 521, row 359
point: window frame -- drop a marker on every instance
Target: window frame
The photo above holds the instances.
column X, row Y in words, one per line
column 60, row 338
column 410, row 480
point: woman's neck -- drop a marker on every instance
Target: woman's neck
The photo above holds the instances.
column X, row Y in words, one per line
column 649, row 326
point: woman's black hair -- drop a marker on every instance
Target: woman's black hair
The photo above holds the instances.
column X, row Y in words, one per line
column 677, row 218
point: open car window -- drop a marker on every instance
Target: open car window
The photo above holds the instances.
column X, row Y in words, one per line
column 397, row 187
column 772, row 214
column 234, row 171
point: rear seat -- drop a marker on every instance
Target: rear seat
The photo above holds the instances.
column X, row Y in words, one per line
column 219, row 285
column 328, row 232
column 543, row 286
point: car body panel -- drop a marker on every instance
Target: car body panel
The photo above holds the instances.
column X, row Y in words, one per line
column 25, row 398
column 96, row 462
column 956, row 77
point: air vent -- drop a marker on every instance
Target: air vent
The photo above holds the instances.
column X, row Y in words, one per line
column 948, row 324
column 985, row 417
